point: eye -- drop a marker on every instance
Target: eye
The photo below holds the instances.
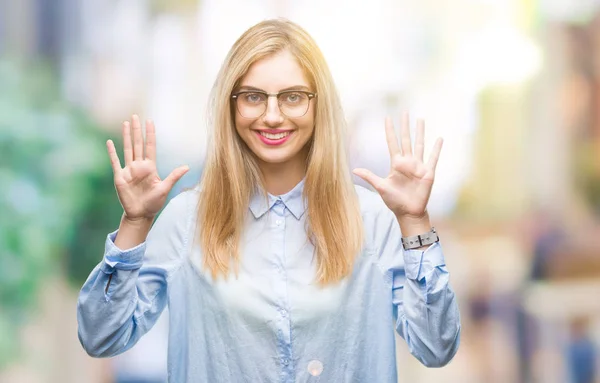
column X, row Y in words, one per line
column 254, row 98
column 294, row 97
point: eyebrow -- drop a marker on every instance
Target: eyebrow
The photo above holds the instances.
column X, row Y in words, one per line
column 295, row 87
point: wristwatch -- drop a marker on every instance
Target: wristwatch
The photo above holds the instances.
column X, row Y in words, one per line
column 417, row 241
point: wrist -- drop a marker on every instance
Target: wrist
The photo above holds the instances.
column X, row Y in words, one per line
column 414, row 225
column 132, row 232
column 140, row 222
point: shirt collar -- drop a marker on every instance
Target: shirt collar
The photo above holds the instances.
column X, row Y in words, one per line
column 293, row 201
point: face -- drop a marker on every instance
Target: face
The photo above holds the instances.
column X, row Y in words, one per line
column 273, row 137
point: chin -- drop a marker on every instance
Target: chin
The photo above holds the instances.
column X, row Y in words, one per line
column 274, row 158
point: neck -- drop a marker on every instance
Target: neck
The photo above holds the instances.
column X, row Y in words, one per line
column 281, row 178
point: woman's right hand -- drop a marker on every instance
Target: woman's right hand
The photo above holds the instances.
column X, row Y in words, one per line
column 140, row 190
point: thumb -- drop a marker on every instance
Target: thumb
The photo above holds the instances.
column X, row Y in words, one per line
column 368, row 176
column 175, row 176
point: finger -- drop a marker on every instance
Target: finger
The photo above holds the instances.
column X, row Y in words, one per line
column 150, row 141
column 175, row 176
column 390, row 135
column 138, row 140
column 127, row 148
column 369, row 177
column 420, row 140
column 114, row 158
column 435, row 154
column 405, row 136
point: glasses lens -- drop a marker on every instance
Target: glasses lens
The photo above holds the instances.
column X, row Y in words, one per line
column 293, row 103
column 251, row 105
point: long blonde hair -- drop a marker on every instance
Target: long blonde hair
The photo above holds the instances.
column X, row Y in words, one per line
column 231, row 175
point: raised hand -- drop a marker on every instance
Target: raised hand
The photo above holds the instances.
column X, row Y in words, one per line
column 140, row 190
column 407, row 187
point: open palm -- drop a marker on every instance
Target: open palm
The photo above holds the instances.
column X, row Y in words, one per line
column 140, row 190
column 407, row 187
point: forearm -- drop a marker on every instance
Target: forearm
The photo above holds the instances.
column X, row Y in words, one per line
column 132, row 233
column 105, row 316
column 127, row 291
column 115, row 307
column 428, row 314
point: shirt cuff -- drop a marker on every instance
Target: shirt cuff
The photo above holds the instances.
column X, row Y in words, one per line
column 418, row 263
column 115, row 258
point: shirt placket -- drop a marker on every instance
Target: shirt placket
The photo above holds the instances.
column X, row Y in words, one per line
column 283, row 318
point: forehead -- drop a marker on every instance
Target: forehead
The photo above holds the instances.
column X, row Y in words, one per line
column 275, row 72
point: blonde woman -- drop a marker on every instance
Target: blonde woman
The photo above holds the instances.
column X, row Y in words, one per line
column 276, row 268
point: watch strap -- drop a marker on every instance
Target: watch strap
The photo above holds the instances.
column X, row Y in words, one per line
column 416, row 241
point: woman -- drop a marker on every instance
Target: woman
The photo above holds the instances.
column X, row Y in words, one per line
column 276, row 267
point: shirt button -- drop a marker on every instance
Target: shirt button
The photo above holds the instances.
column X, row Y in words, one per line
column 315, row 367
column 278, row 222
column 285, row 361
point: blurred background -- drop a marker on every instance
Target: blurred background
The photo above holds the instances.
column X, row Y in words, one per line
column 513, row 86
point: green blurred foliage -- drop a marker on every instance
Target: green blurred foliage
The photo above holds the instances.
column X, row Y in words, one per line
column 57, row 199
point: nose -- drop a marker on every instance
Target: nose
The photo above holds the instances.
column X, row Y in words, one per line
column 273, row 115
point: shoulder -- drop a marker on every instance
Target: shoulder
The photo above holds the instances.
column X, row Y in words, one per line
column 378, row 220
column 186, row 196
column 171, row 232
column 370, row 202
column 182, row 206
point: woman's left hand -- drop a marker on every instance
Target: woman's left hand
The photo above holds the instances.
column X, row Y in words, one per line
column 407, row 188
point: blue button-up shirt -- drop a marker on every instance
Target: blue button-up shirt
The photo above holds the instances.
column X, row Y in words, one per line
column 273, row 323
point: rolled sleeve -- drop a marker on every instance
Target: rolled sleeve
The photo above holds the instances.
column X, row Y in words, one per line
column 117, row 259
column 419, row 263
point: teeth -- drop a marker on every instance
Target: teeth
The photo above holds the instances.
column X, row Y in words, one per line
column 277, row 136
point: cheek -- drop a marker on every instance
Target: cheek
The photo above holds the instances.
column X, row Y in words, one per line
column 308, row 126
column 310, row 121
column 241, row 126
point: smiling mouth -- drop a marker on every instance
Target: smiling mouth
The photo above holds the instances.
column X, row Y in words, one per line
column 274, row 136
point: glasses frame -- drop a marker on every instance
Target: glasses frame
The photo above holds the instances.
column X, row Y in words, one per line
column 310, row 95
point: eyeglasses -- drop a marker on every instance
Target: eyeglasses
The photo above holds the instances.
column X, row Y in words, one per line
column 253, row 103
